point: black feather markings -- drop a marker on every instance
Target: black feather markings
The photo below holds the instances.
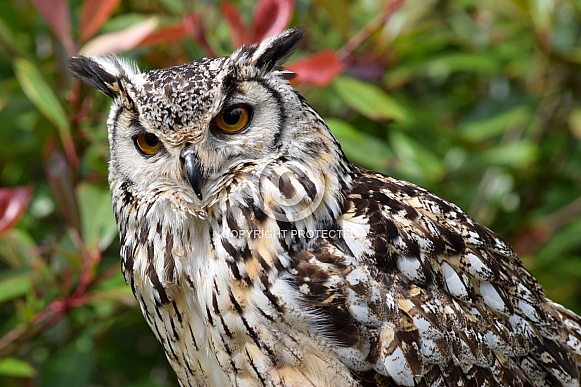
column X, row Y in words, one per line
column 280, row 48
column 92, row 74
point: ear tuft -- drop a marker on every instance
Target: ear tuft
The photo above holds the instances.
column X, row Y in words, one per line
column 272, row 52
column 106, row 74
column 277, row 49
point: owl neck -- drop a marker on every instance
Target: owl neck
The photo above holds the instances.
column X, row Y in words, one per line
column 293, row 196
column 320, row 175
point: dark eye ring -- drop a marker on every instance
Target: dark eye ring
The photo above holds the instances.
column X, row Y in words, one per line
column 147, row 144
column 234, row 118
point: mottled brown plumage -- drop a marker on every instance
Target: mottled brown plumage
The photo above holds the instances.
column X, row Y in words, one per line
column 261, row 257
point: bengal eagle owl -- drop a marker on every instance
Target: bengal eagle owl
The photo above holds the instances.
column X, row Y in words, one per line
column 261, row 257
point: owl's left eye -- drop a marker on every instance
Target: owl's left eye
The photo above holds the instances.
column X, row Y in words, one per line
column 233, row 119
column 147, row 143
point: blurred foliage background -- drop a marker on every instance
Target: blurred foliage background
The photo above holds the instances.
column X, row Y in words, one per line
column 480, row 102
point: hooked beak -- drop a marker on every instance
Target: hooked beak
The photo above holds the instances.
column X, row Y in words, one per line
column 192, row 169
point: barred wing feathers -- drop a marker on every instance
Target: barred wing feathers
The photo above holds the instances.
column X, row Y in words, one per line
column 416, row 292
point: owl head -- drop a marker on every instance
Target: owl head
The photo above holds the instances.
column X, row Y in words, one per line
column 196, row 129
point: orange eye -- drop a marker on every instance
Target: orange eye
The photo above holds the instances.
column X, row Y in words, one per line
column 147, row 144
column 233, row 119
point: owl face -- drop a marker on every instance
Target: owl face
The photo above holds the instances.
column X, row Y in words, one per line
column 186, row 128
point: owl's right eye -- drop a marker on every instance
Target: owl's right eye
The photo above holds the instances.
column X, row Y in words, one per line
column 233, row 119
column 147, row 143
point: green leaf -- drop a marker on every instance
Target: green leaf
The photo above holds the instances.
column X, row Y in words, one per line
column 175, row 7
column 369, row 100
column 121, row 295
column 514, row 154
column 574, row 121
column 97, row 219
column 8, row 40
column 114, row 289
column 17, row 248
column 70, row 365
column 359, row 147
column 562, row 242
column 14, row 283
column 442, row 66
column 416, row 160
column 496, row 124
column 11, row 366
column 41, row 94
column 485, row 63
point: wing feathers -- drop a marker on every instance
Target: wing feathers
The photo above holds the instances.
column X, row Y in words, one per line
column 458, row 305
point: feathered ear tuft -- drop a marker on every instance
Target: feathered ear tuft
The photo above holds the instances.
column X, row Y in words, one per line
column 110, row 75
column 276, row 50
column 272, row 51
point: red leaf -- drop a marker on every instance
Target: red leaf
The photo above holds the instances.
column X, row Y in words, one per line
column 164, row 35
column 94, row 14
column 238, row 32
column 270, row 18
column 13, row 203
column 318, row 69
column 119, row 41
column 190, row 26
column 56, row 13
column 194, row 28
